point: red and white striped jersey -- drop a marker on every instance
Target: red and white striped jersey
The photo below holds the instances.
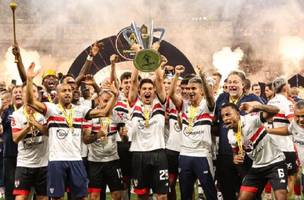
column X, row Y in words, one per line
column 33, row 149
column 147, row 132
column 173, row 132
column 257, row 143
column 285, row 143
column 65, row 141
column 196, row 138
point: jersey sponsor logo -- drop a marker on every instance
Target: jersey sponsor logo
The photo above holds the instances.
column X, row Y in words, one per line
column 17, row 183
column 188, row 132
column 61, row 134
column 176, row 127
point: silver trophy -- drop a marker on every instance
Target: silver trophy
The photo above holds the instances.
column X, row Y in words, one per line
column 147, row 59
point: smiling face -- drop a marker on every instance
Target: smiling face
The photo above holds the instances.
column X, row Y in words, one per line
column 125, row 85
column 50, row 82
column 17, row 97
column 230, row 117
column 195, row 92
column 256, row 90
column 235, row 86
column 147, row 93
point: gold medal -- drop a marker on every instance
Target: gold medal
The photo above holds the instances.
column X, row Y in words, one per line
column 191, row 116
column 69, row 115
column 239, row 139
column 147, row 115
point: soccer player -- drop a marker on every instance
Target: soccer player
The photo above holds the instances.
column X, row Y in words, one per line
column 247, row 135
column 195, row 160
column 29, row 132
column 149, row 161
column 66, row 125
column 103, row 160
column 296, row 129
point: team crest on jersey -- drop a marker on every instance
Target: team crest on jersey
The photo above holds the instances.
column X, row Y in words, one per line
column 176, row 127
column 17, row 183
column 61, row 134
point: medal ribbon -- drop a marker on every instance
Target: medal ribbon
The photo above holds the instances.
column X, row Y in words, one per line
column 147, row 115
column 68, row 114
column 239, row 139
column 192, row 114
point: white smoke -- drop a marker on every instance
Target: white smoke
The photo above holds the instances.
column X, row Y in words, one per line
column 227, row 60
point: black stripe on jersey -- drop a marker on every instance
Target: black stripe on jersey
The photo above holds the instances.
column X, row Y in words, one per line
column 286, row 121
column 120, row 109
column 172, row 117
column 109, row 134
column 185, row 122
column 262, row 135
column 161, row 112
column 56, row 125
column 139, row 115
column 203, row 122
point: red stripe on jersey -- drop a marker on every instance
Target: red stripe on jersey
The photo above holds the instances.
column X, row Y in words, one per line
column 86, row 126
column 137, row 108
column 21, row 192
column 290, row 116
column 249, row 189
column 204, row 116
column 257, row 133
column 16, row 130
column 173, row 111
column 62, row 119
column 156, row 106
column 120, row 103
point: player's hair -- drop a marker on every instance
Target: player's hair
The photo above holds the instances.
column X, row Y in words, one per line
column 299, row 104
column 231, row 105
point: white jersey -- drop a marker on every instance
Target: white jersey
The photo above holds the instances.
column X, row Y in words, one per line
column 298, row 138
column 148, row 134
column 65, row 142
column 196, row 139
column 33, row 149
column 122, row 112
column 104, row 149
column 281, row 119
column 173, row 132
column 257, row 143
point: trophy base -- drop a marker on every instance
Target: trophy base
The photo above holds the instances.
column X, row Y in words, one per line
column 147, row 60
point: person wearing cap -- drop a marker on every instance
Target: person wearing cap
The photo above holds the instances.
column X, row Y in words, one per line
column 282, row 119
column 50, row 82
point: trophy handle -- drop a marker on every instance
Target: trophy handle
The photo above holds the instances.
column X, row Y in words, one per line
column 136, row 30
column 151, row 34
column 162, row 32
column 127, row 31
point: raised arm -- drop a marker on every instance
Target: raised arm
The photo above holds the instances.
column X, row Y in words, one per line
column 278, row 131
column 268, row 110
column 108, row 109
column 20, row 66
column 207, row 92
column 159, row 84
column 113, row 75
column 30, row 100
column 177, row 100
column 89, row 80
column 95, row 48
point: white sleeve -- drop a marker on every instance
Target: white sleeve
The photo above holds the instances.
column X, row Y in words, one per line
column 50, row 109
column 15, row 122
column 288, row 109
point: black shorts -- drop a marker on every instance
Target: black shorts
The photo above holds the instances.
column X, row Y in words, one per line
column 104, row 173
column 172, row 157
column 26, row 178
column 291, row 162
column 275, row 173
column 150, row 170
column 125, row 157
